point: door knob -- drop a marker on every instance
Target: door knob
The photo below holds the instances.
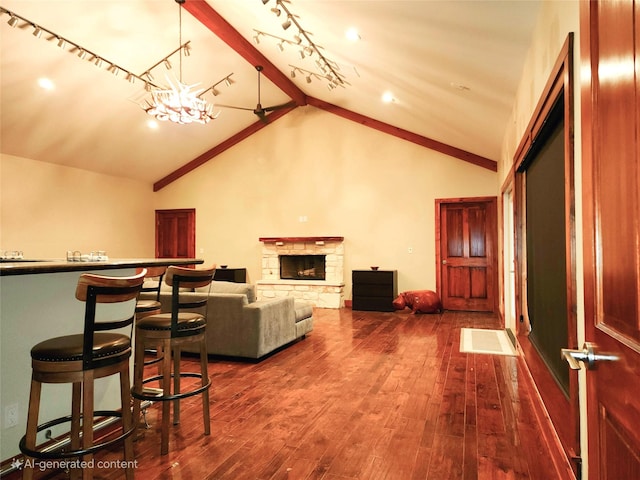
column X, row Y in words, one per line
column 587, row 355
column 444, row 262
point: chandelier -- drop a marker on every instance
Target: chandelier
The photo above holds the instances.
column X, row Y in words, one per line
column 178, row 103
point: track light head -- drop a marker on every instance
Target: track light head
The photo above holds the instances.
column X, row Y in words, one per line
column 98, row 62
column 37, row 31
column 82, row 54
column 264, row 2
column 277, row 11
column 62, row 43
column 186, row 50
column 167, row 63
column 287, row 23
column 13, row 21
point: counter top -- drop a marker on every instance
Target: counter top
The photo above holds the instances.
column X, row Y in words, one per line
column 30, row 267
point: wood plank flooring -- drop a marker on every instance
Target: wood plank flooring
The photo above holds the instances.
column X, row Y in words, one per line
column 365, row 396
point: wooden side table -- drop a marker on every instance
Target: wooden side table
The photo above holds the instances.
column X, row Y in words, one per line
column 237, row 275
column 374, row 290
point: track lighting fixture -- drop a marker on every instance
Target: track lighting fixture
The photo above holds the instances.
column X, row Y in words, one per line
column 198, row 109
column 334, row 81
column 303, row 39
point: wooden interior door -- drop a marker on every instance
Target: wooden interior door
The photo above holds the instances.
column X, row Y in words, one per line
column 176, row 233
column 611, row 183
column 466, row 253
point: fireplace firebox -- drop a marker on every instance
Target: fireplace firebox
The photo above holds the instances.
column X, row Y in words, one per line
column 302, row 267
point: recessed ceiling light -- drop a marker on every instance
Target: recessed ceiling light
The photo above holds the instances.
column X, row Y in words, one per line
column 152, row 124
column 46, row 84
column 387, row 97
column 352, row 34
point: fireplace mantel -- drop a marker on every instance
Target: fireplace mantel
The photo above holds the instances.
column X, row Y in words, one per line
column 300, row 239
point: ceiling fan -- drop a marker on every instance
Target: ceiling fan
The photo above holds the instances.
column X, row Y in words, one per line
column 259, row 110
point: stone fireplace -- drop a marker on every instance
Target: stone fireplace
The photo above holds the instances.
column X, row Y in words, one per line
column 309, row 268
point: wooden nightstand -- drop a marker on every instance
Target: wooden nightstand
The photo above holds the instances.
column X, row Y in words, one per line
column 374, row 289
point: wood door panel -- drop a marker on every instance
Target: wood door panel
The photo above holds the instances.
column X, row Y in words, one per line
column 466, row 261
column 175, row 233
column 611, row 166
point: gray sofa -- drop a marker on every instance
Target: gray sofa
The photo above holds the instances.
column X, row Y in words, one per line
column 240, row 326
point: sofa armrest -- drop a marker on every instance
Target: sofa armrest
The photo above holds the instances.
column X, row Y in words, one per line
column 272, row 323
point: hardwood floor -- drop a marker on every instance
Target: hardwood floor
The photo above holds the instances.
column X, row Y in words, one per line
column 365, row 396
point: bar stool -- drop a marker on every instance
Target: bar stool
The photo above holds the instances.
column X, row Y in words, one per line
column 80, row 359
column 151, row 306
column 171, row 331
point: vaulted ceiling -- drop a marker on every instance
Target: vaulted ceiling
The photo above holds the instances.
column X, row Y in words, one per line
column 451, row 66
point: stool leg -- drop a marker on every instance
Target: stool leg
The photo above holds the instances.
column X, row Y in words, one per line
column 138, row 375
column 125, row 396
column 32, row 426
column 76, row 412
column 176, row 383
column 166, row 391
column 205, row 379
column 87, row 420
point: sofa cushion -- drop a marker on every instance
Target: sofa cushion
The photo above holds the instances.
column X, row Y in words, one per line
column 303, row 309
column 217, row 286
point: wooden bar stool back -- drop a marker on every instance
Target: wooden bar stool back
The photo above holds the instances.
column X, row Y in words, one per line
column 152, row 283
column 185, row 324
column 80, row 359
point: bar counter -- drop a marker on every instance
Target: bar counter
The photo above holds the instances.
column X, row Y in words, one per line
column 37, row 302
column 29, row 267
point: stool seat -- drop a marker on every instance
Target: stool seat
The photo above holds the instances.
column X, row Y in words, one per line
column 187, row 322
column 106, row 346
column 143, row 306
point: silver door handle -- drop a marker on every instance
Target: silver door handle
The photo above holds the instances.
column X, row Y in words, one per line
column 587, row 356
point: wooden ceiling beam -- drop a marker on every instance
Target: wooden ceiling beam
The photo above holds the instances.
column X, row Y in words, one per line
column 406, row 135
column 211, row 19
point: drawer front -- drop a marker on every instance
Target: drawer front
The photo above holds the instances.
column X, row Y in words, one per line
column 372, row 290
column 238, row 275
column 373, row 277
column 378, row 304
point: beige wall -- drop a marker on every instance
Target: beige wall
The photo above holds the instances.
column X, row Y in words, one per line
column 47, row 209
column 348, row 180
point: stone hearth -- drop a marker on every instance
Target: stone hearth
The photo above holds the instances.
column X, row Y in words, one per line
column 327, row 293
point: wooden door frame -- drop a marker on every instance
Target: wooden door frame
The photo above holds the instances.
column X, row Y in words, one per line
column 559, row 85
column 492, row 247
